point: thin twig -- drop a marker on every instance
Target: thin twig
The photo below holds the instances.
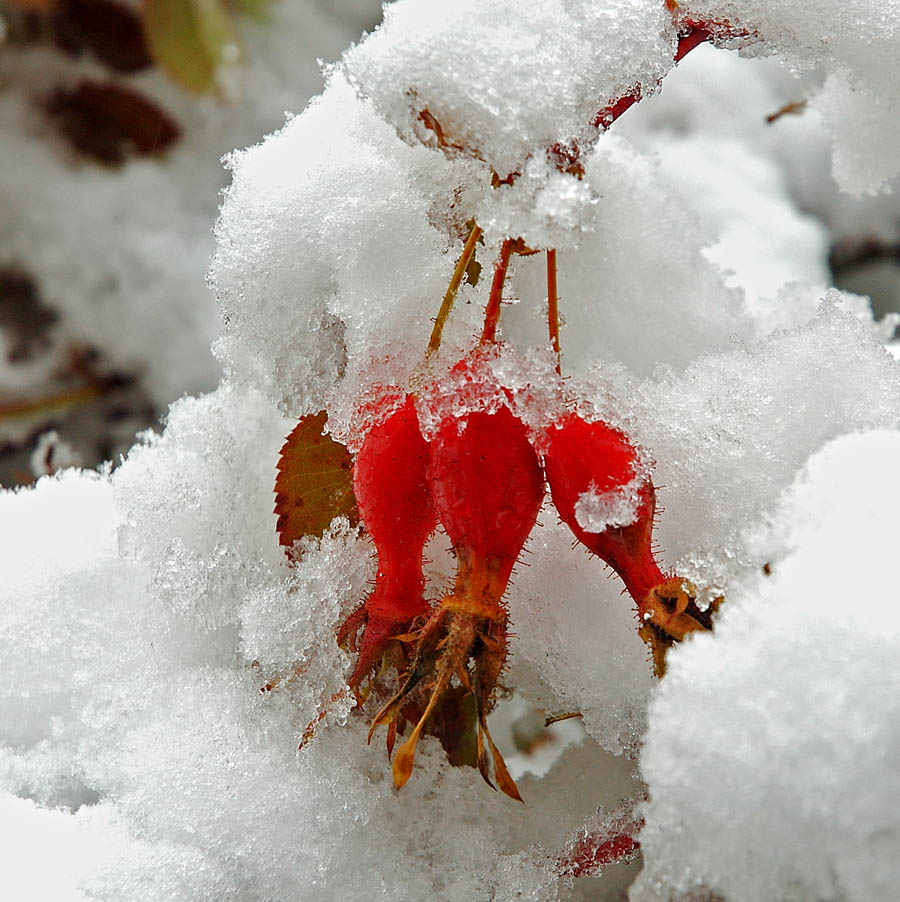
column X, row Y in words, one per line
column 447, row 304
column 492, row 311
column 46, row 405
column 553, row 305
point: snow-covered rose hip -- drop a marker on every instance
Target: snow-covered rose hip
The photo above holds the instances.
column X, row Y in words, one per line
column 605, row 495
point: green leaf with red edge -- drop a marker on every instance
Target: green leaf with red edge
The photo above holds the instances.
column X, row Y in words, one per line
column 314, row 482
column 190, row 39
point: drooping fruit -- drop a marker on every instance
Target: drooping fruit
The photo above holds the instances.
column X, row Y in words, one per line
column 486, row 483
column 394, row 504
column 606, row 497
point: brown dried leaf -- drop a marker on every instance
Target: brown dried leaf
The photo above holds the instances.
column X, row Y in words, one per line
column 108, row 29
column 314, row 482
column 34, row 6
column 108, row 122
column 24, row 319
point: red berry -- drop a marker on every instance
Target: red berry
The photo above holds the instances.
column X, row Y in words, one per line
column 585, row 460
column 486, row 483
column 487, row 487
column 394, row 505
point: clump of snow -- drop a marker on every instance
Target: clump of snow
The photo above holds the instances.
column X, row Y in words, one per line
column 504, row 81
column 856, row 45
column 596, row 511
column 349, row 195
column 790, row 711
column 488, row 379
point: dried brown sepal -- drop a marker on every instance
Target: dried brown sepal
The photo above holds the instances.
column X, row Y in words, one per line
column 567, row 158
column 109, row 123
column 440, row 136
column 310, row 731
column 314, row 482
column 446, row 645
column 669, row 613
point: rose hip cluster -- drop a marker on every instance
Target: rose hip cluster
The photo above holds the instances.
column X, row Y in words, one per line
column 481, row 478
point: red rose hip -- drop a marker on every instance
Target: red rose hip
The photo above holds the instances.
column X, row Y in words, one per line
column 395, row 508
column 592, row 460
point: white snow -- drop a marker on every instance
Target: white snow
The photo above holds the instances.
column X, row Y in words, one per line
column 142, row 609
column 791, row 712
column 596, row 511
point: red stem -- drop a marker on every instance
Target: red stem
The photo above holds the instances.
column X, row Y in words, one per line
column 592, row 854
column 695, row 34
column 691, row 34
column 492, row 311
column 553, row 305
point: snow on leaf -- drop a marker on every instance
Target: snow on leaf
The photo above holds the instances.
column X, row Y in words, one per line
column 314, row 482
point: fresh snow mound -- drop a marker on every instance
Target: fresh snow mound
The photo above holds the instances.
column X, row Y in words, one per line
column 791, row 710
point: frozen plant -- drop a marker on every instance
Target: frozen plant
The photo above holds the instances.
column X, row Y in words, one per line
column 603, row 328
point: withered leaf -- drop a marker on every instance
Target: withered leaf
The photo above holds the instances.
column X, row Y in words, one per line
column 314, row 482
column 190, row 39
column 34, row 6
column 24, row 318
column 109, row 122
column 454, row 722
column 110, row 30
column 473, row 272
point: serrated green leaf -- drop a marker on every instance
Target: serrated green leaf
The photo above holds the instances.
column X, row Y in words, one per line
column 190, row 39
